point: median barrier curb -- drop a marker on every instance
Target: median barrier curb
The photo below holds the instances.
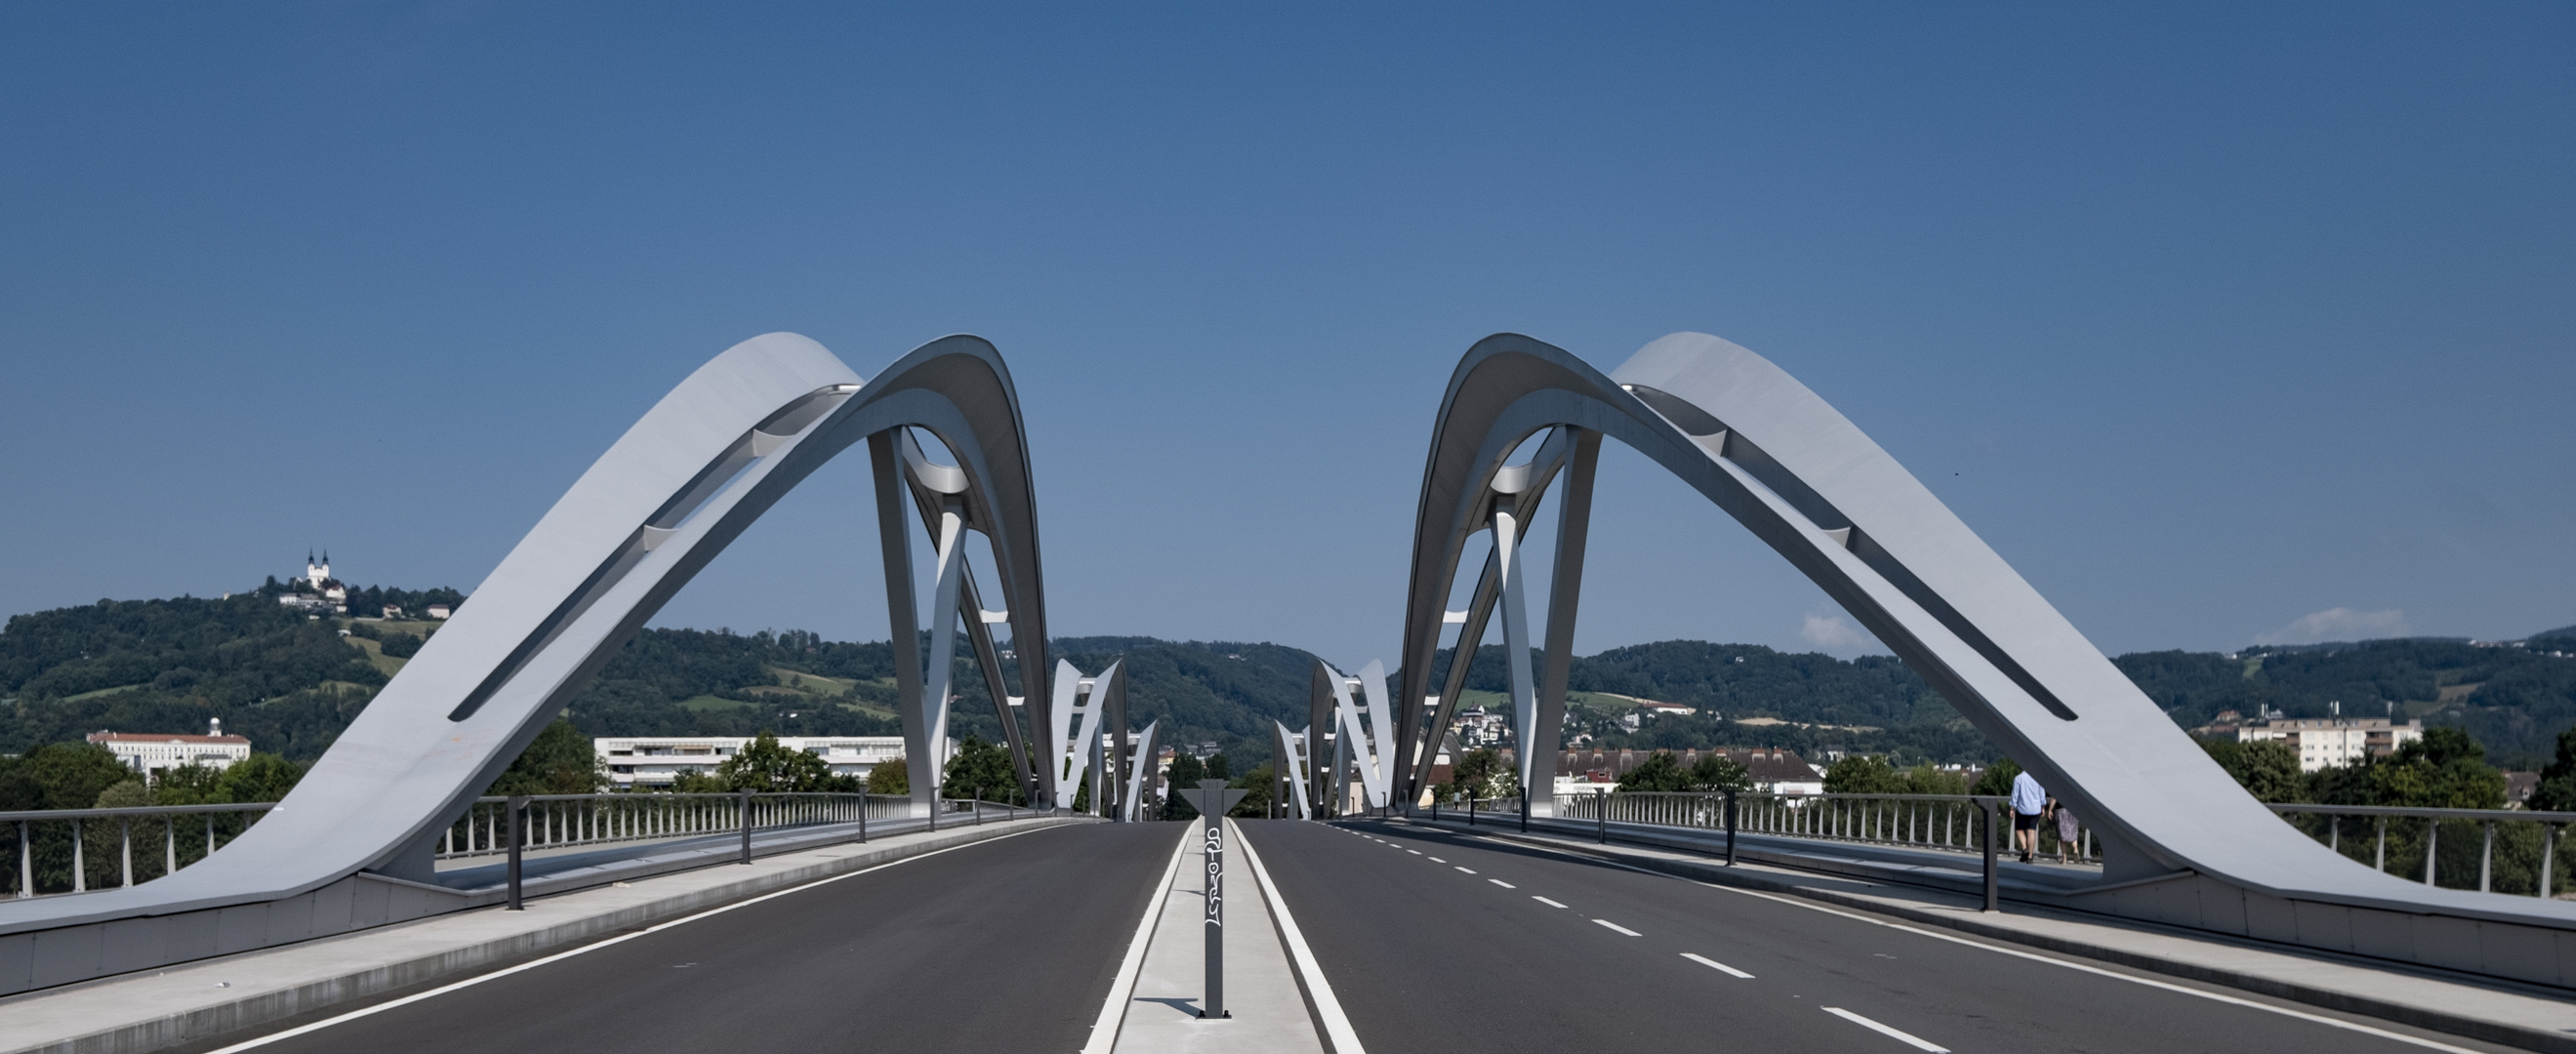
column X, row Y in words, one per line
column 162, row 1028
column 1966, row 919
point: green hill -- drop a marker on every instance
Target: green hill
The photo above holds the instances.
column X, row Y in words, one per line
column 291, row 683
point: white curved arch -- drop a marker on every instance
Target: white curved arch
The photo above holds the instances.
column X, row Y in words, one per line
column 1810, row 484
column 662, row 502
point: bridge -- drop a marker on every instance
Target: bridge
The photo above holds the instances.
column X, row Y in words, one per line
column 384, row 904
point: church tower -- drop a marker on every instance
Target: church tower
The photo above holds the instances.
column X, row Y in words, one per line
column 316, row 573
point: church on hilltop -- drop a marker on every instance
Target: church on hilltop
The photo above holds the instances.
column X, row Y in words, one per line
column 326, row 594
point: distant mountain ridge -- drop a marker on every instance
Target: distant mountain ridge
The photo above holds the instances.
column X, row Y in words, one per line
column 292, row 683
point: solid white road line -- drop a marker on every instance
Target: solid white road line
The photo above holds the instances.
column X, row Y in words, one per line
column 1500, row 882
column 1918, row 1042
column 1122, row 989
column 1549, row 903
column 2215, row 997
column 1618, row 927
column 562, row 955
column 1337, row 1025
column 1716, row 965
column 1465, row 869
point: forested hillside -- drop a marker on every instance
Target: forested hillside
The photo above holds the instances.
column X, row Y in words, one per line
column 291, row 683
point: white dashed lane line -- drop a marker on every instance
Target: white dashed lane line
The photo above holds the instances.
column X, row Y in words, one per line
column 1549, row 903
column 1716, row 965
column 1415, row 852
column 1618, row 927
column 1435, row 860
column 1908, row 1038
column 1467, row 870
column 1500, row 882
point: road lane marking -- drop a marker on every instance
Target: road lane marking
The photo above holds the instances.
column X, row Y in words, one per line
column 1500, row 882
column 1618, row 927
column 1917, row 1042
column 1435, row 860
column 1549, row 903
column 1122, row 989
column 1415, row 852
column 622, row 938
column 1465, row 869
column 1337, row 1025
column 1800, row 902
column 1716, row 965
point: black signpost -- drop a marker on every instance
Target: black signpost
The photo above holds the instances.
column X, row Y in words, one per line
column 1213, row 800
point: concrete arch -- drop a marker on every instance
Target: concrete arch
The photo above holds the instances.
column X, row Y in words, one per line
column 709, row 459
column 2185, row 844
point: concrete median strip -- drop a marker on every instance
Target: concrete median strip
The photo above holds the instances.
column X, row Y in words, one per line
column 1264, row 994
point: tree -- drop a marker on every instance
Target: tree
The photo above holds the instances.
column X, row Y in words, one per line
column 1997, row 780
column 1659, row 772
column 1480, row 774
column 1861, row 774
column 2557, row 790
column 60, row 776
column 260, row 777
column 2447, row 769
column 981, row 770
column 188, row 785
column 892, row 776
column 763, row 765
column 2268, row 770
column 1256, row 793
column 1185, row 774
column 559, row 761
column 1216, row 767
column 1717, row 772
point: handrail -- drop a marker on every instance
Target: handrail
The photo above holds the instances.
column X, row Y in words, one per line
column 2526, row 815
column 134, row 810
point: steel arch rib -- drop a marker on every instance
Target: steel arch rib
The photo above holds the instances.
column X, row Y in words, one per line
column 672, row 493
column 1812, row 486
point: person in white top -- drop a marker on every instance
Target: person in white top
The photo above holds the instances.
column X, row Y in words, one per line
column 2028, row 801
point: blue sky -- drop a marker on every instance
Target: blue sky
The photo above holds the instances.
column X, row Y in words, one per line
column 2221, row 323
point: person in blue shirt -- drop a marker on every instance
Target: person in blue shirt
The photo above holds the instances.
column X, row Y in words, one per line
column 2028, row 801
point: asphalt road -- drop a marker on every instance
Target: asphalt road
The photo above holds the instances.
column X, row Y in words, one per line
column 1444, row 941
column 1006, row 945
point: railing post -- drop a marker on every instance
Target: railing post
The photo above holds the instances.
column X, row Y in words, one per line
column 746, row 825
column 27, row 863
column 1986, row 811
column 125, row 848
column 2549, row 854
column 1730, row 827
column 2486, row 860
column 1601, row 799
column 2432, row 835
column 1471, row 810
column 80, row 862
column 2379, row 861
column 518, row 807
column 863, row 816
column 979, row 808
column 1524, row 810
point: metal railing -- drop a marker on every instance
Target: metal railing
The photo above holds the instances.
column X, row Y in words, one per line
column 1920, row 821
column 64, row 851
column 556, row 821
column 2510, row 851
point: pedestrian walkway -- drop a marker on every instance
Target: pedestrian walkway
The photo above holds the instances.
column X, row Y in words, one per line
column 1268, row 1008
column 134, row 1013
column 2520, row 1016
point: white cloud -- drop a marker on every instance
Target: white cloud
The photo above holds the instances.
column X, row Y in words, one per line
column 1833, row 636
column 2339, row 624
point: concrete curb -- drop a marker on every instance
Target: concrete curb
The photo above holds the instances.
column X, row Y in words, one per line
column 2404, row 1013
column 251, row 1010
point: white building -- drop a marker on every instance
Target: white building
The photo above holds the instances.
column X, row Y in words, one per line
column 2325, row 742
column 153, row 753
column 657, row 761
